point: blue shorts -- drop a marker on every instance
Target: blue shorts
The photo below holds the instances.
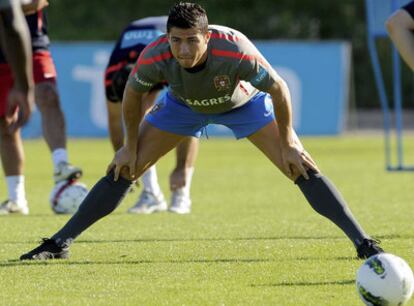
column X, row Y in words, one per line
column 175, row 117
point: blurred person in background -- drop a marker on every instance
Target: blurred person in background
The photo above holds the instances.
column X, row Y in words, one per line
column 17, row 100
column 15, row 43
column 47, row 101
column 133, row 39
column 400, row 27
column 215, row 75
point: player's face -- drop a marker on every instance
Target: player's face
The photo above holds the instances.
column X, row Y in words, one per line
column 188, row 46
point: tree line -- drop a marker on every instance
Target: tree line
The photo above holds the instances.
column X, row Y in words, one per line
column 102, row 20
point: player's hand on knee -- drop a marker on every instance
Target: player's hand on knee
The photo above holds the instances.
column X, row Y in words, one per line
column 124, row 163
column 297, row 161
column 308, row 161
column 19, row 108
column 10, row 119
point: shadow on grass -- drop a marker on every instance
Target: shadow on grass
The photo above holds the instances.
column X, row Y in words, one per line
column 306, row 284
column 145, row 240
column 213, row 239
column 16, row 262
column 36, row 216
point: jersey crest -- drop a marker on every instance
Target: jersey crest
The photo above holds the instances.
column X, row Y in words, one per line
column 222, row 82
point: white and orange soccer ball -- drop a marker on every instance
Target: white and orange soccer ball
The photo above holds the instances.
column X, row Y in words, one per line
column 385, row 279
column 66, row 196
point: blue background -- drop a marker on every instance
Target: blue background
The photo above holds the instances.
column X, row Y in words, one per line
column 317, row 74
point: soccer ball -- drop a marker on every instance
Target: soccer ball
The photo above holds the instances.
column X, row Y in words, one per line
column 66, row 196
column 385, row 279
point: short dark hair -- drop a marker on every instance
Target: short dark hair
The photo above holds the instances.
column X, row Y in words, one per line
column 186, row 15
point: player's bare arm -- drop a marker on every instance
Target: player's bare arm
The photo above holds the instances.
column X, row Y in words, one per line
column 400, row 26
column 132, row 113
column 295, row 160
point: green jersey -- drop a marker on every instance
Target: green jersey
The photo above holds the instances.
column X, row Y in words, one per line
column 234, row 72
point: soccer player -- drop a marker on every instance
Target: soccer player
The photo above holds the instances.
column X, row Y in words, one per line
column 400, row 26
column 47, row 100
column 133, row 39
column 215, row 75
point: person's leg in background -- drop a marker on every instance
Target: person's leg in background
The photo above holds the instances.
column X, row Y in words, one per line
column 53, row 121
column 181, row 176
column 12, row 154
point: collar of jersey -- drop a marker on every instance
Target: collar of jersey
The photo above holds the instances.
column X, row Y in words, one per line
column 197, row 68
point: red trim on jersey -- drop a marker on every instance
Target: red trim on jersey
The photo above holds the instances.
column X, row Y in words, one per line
column 244, row 57
column 225, row 36
column 141, row 60
column 243, row 89
column 232, row 54
column 155, row 43
column 157, row 58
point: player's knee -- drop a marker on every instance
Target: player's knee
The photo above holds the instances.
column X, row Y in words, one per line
column 3, row 126
column 47, row 96
column 4, row 131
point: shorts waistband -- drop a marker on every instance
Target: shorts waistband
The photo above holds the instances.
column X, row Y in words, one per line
column 171, row 97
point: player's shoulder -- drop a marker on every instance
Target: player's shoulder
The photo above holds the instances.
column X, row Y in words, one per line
column 229, row 44
column 158, row 51
column 217, row 28
column 226, row 38
column 227, row 34
column 158, row 46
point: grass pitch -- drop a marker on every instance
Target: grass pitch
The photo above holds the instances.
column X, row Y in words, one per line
column 251, row 238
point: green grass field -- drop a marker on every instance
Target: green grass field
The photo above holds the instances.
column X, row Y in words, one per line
column 251, row 238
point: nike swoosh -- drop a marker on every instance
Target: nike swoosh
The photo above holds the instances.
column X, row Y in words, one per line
column 268, row 113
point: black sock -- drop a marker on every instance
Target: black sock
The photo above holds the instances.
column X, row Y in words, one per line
column 323, row 196
column 103, row 198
